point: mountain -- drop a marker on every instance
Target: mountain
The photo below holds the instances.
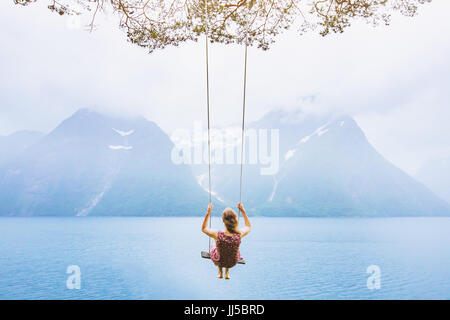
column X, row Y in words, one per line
column 435, row 174
column 327, row 167
column 16, row 143
column 93, row 164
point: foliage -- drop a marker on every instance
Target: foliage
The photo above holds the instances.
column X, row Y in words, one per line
column 155, row 24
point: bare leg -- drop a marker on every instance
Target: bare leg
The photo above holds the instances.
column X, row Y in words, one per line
column 227, row 273
column 220, row 275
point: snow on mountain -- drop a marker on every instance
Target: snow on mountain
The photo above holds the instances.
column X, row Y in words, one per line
column 124, row 133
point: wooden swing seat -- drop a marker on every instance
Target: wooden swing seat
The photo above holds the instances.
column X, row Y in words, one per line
column 205, row 255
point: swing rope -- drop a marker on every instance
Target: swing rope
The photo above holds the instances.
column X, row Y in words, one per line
column 244, row 98
column 243, row 125
column 207, row 106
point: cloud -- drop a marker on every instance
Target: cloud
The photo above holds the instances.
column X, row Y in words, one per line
column 394, row 80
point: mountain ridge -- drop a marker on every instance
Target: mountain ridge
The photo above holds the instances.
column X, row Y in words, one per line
column 101, row 165
column 327, row 168
column 76, row 169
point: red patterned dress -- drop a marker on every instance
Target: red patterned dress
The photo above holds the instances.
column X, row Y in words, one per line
column 225, row 253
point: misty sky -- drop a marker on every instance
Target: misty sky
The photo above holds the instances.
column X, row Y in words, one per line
column 394, row 80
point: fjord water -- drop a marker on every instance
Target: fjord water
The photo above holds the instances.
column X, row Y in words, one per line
column 287, row 258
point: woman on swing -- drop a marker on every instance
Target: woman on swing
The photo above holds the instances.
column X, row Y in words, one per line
column 225, row 252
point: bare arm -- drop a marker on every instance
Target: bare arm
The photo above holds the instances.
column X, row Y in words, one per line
column 245, row 230
column 210, row 232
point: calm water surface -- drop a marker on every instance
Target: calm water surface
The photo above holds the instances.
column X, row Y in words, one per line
column 287, row 258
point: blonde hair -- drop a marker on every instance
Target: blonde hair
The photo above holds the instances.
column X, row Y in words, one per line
column 230, row 220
